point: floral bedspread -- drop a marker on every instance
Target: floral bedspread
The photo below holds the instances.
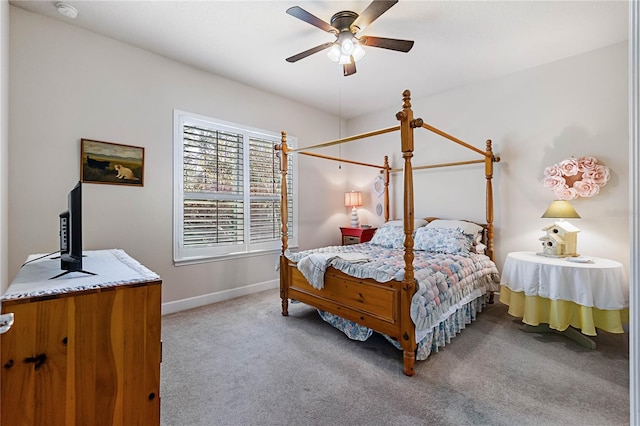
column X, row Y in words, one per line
column 446, row 282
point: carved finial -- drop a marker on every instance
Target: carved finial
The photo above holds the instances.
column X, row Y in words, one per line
column 283, row 139
column 406, row 99
column 495, row 159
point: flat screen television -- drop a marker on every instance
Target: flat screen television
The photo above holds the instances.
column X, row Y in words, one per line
column 71, row 234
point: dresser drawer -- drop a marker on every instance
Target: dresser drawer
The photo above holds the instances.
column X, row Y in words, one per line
column 348, row 239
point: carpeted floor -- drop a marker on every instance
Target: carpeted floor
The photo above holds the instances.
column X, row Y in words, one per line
column 240, row 362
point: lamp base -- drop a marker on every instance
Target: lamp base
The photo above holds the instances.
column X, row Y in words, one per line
column 354, row 218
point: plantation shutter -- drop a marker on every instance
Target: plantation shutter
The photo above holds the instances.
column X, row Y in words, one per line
column 227, row 190
column 213, row 187
column 264, row 177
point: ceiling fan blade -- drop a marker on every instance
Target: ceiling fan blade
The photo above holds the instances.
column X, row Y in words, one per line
column 300, row 13
column 387, row 43
column 371, row 13
column 311, row 51
column 349, row 69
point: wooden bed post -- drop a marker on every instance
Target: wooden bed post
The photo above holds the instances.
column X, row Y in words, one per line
column 284, row 212
column 408, row 336
column 489, row 159
column 385, row 174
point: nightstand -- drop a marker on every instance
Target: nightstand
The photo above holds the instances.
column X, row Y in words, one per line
column 566, row 295
column 356, row 235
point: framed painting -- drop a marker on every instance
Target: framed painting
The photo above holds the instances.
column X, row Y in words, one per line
column 111, row 163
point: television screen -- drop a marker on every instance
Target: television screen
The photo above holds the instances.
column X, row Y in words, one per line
column 71, row 234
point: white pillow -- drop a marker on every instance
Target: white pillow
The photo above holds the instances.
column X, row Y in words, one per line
column 466, row 227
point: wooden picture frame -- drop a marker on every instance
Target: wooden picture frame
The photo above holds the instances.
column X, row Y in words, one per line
column 111, row 163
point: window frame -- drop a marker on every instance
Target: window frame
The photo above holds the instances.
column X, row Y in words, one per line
column 187, row 255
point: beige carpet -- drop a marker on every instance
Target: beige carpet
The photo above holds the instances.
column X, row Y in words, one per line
column 240, row 362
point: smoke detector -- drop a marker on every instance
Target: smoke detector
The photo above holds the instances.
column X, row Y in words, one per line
column 67, row 10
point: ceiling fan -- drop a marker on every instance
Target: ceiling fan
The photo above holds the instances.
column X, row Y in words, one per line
column 345, row 25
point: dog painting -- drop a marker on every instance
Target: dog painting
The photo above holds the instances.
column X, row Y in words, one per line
column 111, row 163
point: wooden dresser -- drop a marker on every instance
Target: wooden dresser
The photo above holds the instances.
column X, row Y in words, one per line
column 84, row 349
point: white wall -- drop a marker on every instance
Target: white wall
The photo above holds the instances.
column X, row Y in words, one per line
column 4, row 142
column 535, row 118
column 68, row 84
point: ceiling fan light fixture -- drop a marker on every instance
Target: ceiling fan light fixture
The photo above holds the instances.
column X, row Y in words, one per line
column 358, row 51
column 334, row 52
column 347, row 46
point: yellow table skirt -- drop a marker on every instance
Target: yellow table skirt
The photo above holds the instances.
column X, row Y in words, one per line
column 560, row 314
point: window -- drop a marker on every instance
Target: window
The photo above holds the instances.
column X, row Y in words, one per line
column 227, row 199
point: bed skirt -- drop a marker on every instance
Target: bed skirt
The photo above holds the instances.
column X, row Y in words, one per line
column 438, row 337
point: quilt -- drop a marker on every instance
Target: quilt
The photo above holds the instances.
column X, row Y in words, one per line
column 450, row 287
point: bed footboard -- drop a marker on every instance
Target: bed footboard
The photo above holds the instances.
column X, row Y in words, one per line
column 364, row 301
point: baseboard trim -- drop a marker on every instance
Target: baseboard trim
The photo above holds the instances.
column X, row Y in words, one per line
column 219, row 296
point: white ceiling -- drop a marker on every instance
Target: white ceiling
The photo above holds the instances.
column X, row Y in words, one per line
column 456, row 42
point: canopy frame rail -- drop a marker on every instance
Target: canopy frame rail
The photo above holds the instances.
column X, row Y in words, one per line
column 348, row 139
column 434, row 166
column 342, row 160
column 421, row 123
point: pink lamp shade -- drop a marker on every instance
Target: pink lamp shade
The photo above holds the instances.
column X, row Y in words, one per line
column 353, row 199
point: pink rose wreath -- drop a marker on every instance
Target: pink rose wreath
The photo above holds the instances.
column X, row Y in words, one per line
column 574, row 178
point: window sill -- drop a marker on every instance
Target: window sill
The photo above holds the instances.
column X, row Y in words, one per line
column 231, row 256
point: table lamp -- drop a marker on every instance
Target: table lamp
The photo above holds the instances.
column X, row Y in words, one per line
column 561, row 237
column 353, row 199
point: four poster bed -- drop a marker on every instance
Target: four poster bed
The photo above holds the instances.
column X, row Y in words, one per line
column 417, row 282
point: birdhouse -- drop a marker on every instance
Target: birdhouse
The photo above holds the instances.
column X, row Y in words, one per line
column 560, row 240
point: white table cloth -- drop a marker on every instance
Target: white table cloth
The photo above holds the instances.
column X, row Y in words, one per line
column 601, row 284
column 112, row 267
